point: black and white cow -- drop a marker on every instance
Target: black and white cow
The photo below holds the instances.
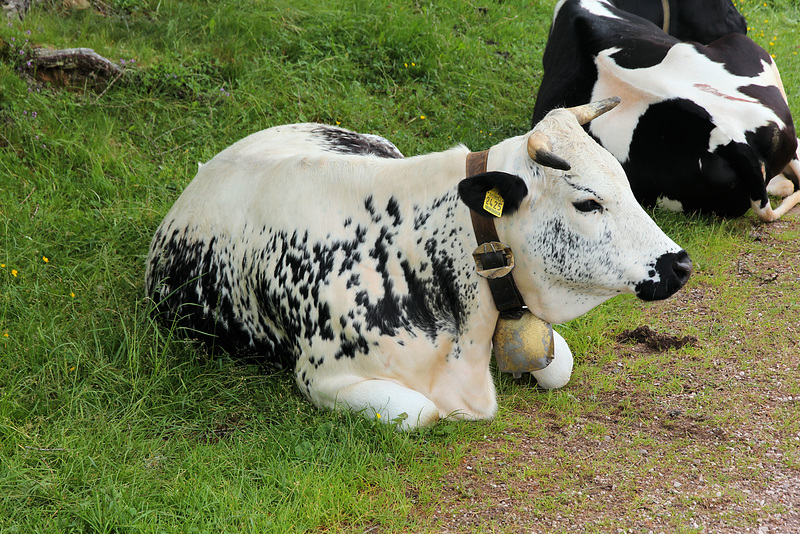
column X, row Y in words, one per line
column 703, row 21
column 700, row 128
column 323, row 251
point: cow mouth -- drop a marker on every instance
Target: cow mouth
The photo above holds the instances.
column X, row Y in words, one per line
column 672, row 271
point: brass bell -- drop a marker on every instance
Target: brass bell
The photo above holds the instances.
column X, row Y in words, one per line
column 523, row 343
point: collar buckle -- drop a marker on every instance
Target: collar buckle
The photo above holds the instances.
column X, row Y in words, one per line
column 493, row 260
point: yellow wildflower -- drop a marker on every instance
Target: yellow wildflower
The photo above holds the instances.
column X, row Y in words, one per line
column 14, row 272
column 422, row 117
column 72, row 295
column 44, row 258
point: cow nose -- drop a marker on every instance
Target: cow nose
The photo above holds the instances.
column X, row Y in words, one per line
column 672, row 271
column 682, row 267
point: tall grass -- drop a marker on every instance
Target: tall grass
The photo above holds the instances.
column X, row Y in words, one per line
column 108, row 422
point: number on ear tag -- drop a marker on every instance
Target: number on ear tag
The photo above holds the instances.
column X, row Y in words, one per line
column 493, row 203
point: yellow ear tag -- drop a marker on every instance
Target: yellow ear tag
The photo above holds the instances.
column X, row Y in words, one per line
column 493, row 203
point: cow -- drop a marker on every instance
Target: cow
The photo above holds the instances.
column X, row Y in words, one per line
column 324, row 251
column 700, row 128
column 703, row 21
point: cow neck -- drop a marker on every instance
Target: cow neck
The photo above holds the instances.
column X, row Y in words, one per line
column 506, row 296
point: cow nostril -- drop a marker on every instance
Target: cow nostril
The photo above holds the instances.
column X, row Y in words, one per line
column 682, row 267
column 672, row 271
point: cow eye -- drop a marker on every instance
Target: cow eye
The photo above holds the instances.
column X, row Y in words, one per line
column 588, row 206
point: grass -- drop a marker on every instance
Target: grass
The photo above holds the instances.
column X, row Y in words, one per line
column 109, row 423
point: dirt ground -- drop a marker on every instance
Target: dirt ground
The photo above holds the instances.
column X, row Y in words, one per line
column 654, row 467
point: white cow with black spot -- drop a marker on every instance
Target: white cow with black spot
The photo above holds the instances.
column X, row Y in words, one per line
column 327, row 252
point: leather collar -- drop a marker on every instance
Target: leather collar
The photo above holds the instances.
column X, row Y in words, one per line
column 506, row 296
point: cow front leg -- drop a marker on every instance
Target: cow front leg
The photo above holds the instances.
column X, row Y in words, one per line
column 787, row 182
column 765, row 212
column 558, row 373
column 780, row 186
column 386, row 401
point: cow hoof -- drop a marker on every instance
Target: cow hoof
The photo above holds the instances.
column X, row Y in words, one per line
column 780, row 187
column 558, row 373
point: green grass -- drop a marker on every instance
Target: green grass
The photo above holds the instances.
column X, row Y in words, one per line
column 108, row 423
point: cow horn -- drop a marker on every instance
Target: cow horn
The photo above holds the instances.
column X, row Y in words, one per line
column 541, row 151
column 588, row 112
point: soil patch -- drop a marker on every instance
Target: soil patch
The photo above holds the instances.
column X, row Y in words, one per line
column 655, row 340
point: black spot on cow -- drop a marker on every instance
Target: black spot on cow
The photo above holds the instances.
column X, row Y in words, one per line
column 347, row 142
column 687, row 173
column 267, row 303
column 369, row 205
column 738, row 54
column 393, row 209
column 692, row 20
column 770, row 147
column 324, row 321
column 642, row 46
column 420, row 219
column 771, row 97
column 190, row 287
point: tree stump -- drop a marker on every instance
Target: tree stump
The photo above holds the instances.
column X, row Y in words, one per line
column 73, row 66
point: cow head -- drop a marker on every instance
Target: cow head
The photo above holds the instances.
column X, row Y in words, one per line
column 578, row 234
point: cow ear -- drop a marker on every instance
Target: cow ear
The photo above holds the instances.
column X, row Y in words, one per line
column 482, row 191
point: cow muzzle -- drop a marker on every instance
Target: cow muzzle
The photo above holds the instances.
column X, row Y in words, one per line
column 672, row 271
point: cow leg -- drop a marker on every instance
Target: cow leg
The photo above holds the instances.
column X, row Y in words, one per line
column 792, row 171
column 767, row 214
column 785, row 183
column 780, row 186
column 387, row 401
column 559, row 371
